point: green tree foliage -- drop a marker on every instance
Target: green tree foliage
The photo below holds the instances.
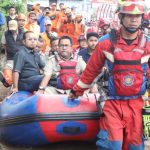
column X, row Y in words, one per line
column 19, row 4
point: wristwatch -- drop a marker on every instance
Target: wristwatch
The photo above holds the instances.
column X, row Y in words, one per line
column 41, row 88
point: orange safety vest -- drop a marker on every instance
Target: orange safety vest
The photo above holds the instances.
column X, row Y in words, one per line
column 54, row 19
column 79, row 28
column 46, row 41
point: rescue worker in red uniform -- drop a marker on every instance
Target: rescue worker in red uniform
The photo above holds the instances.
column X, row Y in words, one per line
column 127, row 53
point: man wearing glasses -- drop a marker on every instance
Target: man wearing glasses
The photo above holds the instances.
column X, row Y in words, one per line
column 62, row 69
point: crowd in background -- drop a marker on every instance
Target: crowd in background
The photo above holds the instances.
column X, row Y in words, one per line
column 49, row 24
column 47, row 50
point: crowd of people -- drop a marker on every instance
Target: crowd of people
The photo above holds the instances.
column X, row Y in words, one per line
column 50, row 52
column 48, row 26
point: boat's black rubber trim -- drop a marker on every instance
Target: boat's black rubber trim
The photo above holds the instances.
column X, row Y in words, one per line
column 22, row 119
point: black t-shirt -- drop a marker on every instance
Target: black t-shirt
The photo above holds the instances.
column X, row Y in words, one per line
column 8, row 18
column 13, row 46
column 129, row 41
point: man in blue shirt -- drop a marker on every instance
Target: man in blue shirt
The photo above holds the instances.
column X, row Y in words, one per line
column 92, row 40
column 42, row 18
column 2, row 19
column 2, row 27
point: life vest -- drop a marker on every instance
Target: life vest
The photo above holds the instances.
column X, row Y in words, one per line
column 68, row 76
column 127, row 71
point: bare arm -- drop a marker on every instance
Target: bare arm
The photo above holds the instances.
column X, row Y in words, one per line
column 43, row 84
column 83, row 28
column 45, row 81
column 15, row 81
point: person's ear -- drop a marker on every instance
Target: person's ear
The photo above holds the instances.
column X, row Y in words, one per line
column 23, row 42
column 120, row 16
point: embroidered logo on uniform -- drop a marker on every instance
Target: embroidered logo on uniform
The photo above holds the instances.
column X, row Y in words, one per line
column 128, row 80
column 70, row 80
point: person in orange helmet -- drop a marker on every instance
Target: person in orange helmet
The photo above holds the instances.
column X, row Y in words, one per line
column 54, row 17
column 67, row 25
column 31, row 24
column 62, row 17
column 62, row 7
column 36, row 9
column 79, row 25
column 21, row 19
column 48, row 35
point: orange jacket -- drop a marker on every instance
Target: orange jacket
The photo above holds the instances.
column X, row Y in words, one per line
column 67, row 27
column 54, row 18
column 33, row 27
column 79, row 28
column 47, row 44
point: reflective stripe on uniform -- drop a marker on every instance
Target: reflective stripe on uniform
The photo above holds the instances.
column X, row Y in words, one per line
column 83, row 85
column 145, row 59
column 109, row 56
column 138, row 50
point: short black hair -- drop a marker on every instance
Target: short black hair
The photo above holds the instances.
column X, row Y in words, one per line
column 12, row 7
column 24, row 35
column 66, row 37
column 53, row 39
column 88, row 35
column 47, row 8
column 40, row 39
column 61, row 4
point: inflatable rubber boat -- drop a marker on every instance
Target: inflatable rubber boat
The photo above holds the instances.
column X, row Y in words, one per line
column 35, row 120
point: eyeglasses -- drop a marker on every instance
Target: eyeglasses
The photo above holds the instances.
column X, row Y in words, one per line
column 33, row 19
column 30, row 39
column 64, row 46
column 48, row 25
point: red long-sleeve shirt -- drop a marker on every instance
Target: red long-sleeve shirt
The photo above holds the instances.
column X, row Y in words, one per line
column 97, row 60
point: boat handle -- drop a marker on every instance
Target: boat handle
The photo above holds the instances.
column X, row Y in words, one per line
column 71, row 130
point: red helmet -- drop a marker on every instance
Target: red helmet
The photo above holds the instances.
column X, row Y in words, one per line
column 147, row 16
column 132, row 7
column 81, row 37
column 103, row 22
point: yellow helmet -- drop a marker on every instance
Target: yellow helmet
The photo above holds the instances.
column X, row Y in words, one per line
column 21, row 16
column 78, row 15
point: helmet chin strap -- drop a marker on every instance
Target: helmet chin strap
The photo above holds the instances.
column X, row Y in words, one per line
column 131, row 30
